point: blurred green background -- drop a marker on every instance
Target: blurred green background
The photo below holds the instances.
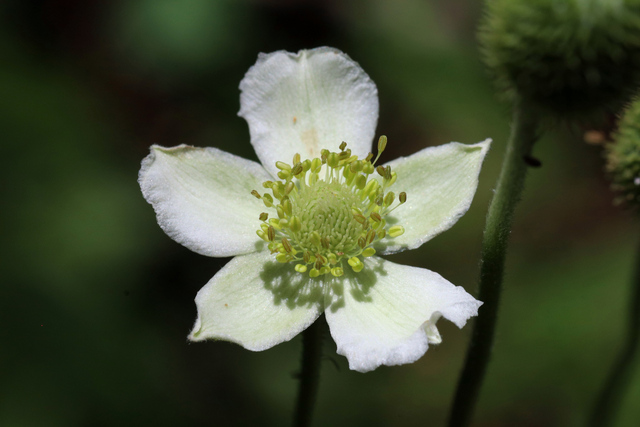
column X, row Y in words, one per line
column 96, row 302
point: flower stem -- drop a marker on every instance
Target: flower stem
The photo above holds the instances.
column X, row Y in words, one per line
column 510, row 184
column 309, row 373
column 609, row 400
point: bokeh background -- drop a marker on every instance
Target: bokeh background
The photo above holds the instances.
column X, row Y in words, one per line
column 96, row 302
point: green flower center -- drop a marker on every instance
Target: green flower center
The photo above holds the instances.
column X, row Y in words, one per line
column 329, row 211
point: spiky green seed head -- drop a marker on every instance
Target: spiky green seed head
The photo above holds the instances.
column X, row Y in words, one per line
column 570, row 59
column 623, row 158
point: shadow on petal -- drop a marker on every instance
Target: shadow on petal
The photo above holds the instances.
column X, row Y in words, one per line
column 289, row 287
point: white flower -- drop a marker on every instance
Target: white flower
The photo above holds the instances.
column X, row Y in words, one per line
column 310, row 256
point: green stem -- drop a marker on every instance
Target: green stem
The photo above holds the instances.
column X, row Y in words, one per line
column 310, row 373
column 608, row 402
column 510, row 184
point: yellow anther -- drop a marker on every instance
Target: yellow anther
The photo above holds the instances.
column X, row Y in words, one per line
column 368, row 252
column 267, row 184
column 396, row 230
column 283, row 166
column 337, row 271
column 382, row 143
column 389, row 198
column 284, row 174
column 333, row 159
column 315, row 238
column 286, row 205
column 314, row 272
column 332, row 258
column 283, row 258
column 275, row 223
column 394, row 177
column 300, row 268
column 295, row 224
column 356, row 264
column 370, row 188
column 289, row 188
column 316, row 164
column 262, row 235
column 296, row 158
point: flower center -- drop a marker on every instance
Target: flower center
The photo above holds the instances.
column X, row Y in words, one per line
column 329, row 211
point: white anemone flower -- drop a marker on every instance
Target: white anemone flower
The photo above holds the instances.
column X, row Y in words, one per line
column 306, row 226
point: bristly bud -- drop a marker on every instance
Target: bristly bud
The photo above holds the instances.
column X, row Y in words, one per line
column 568, row 59
column 623, row 158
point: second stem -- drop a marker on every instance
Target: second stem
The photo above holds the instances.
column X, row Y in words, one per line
column 524, row 134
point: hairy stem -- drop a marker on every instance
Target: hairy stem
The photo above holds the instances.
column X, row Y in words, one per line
column 608, row 402
column 510, row 184
column 309, row 373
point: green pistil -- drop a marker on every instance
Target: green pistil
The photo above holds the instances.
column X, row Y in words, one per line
column 328, row 219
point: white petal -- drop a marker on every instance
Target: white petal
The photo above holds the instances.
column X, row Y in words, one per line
column 304, row 102
column 440, row 183
column 256, row 302
column 386, row 314
column 202, row 198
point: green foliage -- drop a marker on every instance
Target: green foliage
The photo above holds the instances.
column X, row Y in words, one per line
column 570, row 59
column 623, row 158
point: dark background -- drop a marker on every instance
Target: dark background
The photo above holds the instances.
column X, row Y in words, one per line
column 96, row 302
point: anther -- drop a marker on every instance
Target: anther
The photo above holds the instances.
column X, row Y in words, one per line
column 296, row 158
column 389, row 198
column 289, row 188
column 343, row 146
column 382, row 143
column 396, row 230
column 360, row 218
column 271, row 233
column 256, row 194
column 283, row 166
column 337, row 271
column 402, row 197
column 287, row 245
column 264, row 216
column 368, row 252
